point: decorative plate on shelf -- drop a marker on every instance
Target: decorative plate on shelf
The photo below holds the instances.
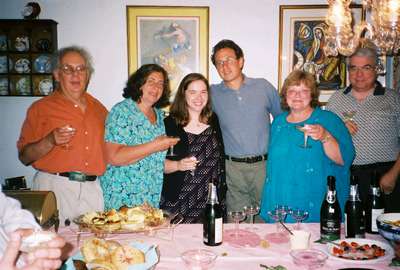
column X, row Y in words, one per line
column 21, row 43
column 3, row 42
column 42, row 64
column 43, row 45
column 23, row 86
column 3, row 86
column 22, row 66
column 46, row 86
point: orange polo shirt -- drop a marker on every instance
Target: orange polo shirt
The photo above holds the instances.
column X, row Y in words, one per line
column 86, row 151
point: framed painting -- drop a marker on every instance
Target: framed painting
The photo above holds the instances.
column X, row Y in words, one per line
column 176, row 38
column 301, row 41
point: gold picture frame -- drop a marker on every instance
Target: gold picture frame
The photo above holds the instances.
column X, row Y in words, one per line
column 301, row 40
column 175, row 37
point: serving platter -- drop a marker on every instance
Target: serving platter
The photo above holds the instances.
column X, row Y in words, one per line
column 388, row 250
column 151, row 257
column 166, row 222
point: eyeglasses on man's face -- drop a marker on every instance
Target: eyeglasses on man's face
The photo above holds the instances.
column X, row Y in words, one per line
column 366, row 68
column 228, row 61
column 69, row 70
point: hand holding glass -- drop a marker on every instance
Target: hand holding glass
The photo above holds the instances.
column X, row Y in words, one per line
column 349, row 115
column 170, row 152
column 67, row 128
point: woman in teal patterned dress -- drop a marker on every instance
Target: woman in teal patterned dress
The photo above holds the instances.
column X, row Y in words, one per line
column 136, row 143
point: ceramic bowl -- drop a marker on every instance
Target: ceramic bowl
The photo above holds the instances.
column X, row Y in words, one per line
column 199, row 259
column 387, row 230
column 310, row 258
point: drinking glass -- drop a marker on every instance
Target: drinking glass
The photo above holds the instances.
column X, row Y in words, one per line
column 304, row 128
column 348, row 115
column 67, row 146
column 278, row 215
column 170, row 152
column 252, row 210
column 299, row 215
column 192, row 172
column 237, row 216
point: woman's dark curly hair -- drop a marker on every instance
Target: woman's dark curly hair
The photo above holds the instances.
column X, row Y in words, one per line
column 133, row 88
column 296, row 78
column 179, row 108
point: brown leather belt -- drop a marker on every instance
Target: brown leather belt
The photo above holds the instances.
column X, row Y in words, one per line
column 78, row 176
column 253, row 159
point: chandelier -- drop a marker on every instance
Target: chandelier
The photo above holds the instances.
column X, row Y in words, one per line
column 383, row 31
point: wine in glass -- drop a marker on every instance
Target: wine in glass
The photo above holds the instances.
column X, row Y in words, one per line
column 348, row 115
column 299, row 215
column 252, row 210
column 303, row 129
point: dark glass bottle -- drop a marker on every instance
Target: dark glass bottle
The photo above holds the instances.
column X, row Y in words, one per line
column 330, row 214
column 354, row 215
column 212, row 222
column 374, row 205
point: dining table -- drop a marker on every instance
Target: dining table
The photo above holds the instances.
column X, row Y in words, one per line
column 172, row 242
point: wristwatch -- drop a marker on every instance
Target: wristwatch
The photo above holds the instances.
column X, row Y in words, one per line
column 326, row 138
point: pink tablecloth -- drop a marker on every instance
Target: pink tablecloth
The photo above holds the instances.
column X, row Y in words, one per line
column 189, row 236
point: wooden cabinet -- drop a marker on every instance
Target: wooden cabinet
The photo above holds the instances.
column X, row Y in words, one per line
column 26, row 50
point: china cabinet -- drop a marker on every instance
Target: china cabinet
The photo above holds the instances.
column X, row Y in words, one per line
column 26, row 48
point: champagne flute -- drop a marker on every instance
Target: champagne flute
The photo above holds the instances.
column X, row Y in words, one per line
column 303, row 129
column 252, row 210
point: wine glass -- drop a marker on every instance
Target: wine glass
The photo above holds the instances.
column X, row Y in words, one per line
column 240, row 238
column 303, row 129
column 278, row 215
column 192, row 172
column 299, row 215
column 252, row 210
column 170, row 152
column 348, row 115
column 237, row 216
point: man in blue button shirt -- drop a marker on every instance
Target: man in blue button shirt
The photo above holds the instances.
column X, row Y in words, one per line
column 243, row 106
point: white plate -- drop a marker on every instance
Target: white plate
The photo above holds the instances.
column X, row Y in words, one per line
column 22, row 66
column 388, row 250
column 46, row 86
column 42, row 64
column 23, row 86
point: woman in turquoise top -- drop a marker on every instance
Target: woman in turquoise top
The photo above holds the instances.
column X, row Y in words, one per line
column 296, row 176
column 136, row 142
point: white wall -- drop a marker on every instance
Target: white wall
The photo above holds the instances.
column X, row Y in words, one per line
column 100, row 26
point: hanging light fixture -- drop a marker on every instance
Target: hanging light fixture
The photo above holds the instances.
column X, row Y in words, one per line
column 383, row 30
